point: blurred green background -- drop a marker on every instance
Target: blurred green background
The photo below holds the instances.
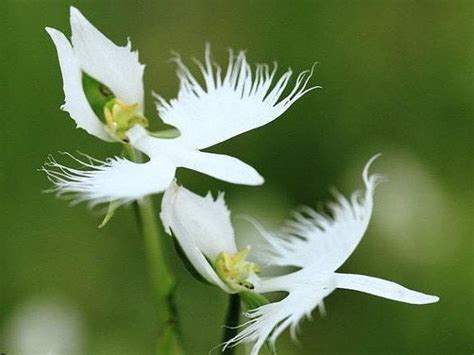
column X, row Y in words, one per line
column 397, row 78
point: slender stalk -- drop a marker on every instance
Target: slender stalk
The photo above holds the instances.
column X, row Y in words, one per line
column 231, row 322
column 162, row 280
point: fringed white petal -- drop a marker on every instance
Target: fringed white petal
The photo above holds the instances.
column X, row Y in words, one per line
column 115, row 179
column 382, row 288
column 324, row 243
column 76, row 103
column 307, row 289
column 267, row 322
column 116, row 67
column 228, row 104
column 202, row 227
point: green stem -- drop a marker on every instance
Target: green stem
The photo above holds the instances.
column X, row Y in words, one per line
column 231, row 322
column 162, row 280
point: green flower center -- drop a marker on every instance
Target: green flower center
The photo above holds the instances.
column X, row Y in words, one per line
column 234, row 269
column 117, row 115
column 120, row 117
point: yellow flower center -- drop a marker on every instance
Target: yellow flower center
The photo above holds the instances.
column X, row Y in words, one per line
column 234, row 270
column 120, row 117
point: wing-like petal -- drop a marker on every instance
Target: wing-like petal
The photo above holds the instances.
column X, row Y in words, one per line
column 75, row 100
column 202, row 227
column 116, row 179
column 116, row 67
column 306, row 291
column 382, row 288
column 228, row 105
column 324, row 243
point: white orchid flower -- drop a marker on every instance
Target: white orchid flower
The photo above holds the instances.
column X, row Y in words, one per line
column 96, row 71
column 90, row 52
column 204, row 231
column 316, row 244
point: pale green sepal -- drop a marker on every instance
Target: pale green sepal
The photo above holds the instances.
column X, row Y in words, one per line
column 253, row 300
column 166, row 134
column 110, row 213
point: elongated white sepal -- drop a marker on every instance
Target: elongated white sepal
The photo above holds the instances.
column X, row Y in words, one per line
column 76, row 103
column 229, row 103
column 382, row 288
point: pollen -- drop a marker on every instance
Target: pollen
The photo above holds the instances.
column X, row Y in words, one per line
column 234, row 269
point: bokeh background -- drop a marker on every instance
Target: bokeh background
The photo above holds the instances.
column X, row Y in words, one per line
column 397, row 78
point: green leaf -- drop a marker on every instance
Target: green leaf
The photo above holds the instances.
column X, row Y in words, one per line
column 110, row 213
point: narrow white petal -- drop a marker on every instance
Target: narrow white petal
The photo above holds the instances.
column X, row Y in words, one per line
column 228, row 104
column 221, row 167
column 202, row 227
column 116, row 67
column 382, row 288
column 75, row 100
column 324, row 243
column 116, row 179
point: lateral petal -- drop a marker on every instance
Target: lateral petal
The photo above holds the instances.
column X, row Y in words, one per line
column 228, row 104
column 116, row 179
column 313, row 240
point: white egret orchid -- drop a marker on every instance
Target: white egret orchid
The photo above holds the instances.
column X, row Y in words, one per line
column 103, row 86
column 316, row 244
column 204, row 231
